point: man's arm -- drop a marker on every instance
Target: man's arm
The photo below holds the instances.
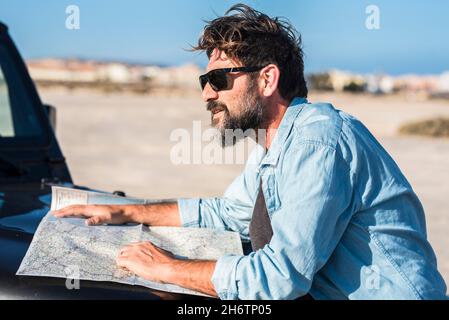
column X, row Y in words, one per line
column 194, row 275
column 156, row 214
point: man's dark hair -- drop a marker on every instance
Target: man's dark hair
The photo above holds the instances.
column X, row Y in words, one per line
column 255, row 39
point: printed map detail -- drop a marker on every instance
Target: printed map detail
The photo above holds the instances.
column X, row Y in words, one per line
column 61, row 245
column 58, row 245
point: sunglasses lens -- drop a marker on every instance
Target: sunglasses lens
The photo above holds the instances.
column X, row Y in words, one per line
column 203, row 81
column 218, row 81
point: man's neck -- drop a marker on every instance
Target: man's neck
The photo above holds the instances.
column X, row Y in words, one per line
column 274, row 117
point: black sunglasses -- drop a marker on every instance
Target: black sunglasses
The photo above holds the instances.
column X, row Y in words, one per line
column 218, row 78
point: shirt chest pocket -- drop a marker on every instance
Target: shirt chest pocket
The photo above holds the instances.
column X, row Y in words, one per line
column 271, row 191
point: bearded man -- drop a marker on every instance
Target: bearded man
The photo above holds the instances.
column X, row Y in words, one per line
column 324, row 206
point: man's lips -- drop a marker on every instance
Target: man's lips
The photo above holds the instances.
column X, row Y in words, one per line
column 217, row 110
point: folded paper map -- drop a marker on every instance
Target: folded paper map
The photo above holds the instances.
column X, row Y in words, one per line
column 61, row 243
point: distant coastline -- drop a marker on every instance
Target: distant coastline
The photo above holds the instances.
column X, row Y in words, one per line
column 118, row 76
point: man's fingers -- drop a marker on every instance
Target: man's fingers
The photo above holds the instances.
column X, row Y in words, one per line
column 136, row 248
column 152, row 247
column 122, row 261
column 82, row 211
column 169, row 253
column 132, row 247
column 147, row 244
column 146, row 247
column 122, row 254
column 94, row 221
column 73, row 211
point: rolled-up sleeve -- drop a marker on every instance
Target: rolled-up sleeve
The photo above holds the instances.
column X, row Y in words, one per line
column 189, row 211
column 315, row 190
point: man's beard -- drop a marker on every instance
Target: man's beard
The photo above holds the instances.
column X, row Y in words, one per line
column 234, row 126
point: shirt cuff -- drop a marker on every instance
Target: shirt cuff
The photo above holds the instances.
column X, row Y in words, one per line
column 189, row 212
column 224, row 277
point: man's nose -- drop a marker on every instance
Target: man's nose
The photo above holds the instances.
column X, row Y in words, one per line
column 208, row 93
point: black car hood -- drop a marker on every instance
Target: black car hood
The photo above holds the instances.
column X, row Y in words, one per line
column 22, row 207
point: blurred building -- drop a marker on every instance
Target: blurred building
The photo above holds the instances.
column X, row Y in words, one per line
column 443, row 82
column 341, row 80
column 185, row 76
column 84, row 71
column 336, row 80
column 425, row 84
column 380, row 84
column 62, row 70
column 114, row 72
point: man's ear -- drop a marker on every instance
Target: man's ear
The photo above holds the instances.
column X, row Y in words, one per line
column 269, row 79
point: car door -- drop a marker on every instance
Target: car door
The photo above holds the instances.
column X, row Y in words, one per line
column 29, row 151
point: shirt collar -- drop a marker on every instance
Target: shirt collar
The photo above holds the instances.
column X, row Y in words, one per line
column 272, row 155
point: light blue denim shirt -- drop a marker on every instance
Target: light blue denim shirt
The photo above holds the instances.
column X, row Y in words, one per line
column 346, row 222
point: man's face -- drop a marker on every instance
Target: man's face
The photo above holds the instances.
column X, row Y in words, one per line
column 240, row 106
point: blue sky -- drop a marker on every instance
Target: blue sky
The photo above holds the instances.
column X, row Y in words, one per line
column 412, row 37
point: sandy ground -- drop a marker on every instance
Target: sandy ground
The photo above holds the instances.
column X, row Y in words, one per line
column 121, row 142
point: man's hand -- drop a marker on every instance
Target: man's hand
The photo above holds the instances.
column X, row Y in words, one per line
column 96, row 214
column 155, row 264
column 147, row 261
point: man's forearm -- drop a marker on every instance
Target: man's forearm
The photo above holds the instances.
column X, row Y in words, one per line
column 193, row 274
column 156, row 214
